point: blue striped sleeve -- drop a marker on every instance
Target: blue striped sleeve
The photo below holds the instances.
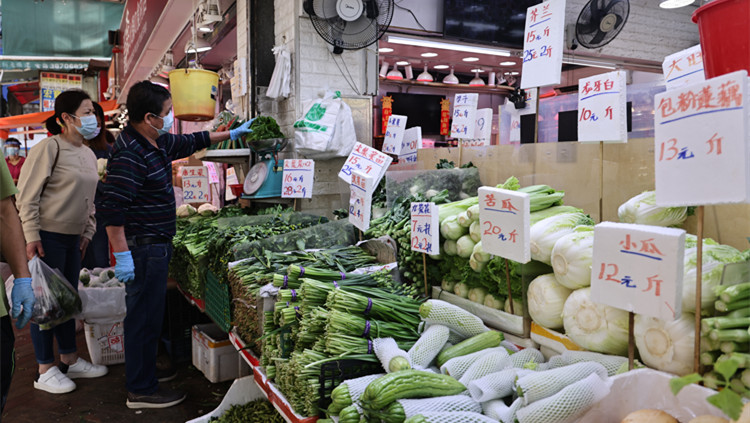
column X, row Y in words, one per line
column 126, row 172
column 181, row 146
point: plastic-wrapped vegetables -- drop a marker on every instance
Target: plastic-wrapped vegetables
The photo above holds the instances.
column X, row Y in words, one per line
column 642, row 209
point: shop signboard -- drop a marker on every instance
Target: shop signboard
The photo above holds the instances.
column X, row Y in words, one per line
column 504, row 221
column 543, row 44
column 366, row 160
column 464, row 115
column 195, row 188
column 51, row 84
column 602, row 112
column 701, row 143
column 425, row 228
column 684, row 68
column 411, row 143
column 297, row 179
column 482, row 129
column 138, row 22
column 394, row 134
column 360, row 199
column 638, row 268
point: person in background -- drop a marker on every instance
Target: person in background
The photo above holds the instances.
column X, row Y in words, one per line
column 139, row 210
column 13, row 249
column 97, row 253
column 56, row 205
column 13, row 159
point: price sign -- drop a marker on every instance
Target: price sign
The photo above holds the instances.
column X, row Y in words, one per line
column 464, row 116
column 366, row 160
column 701, row 143
column 195, row 187
column 231, row 180
column 638, row 268
column 543, row 44
column 482, row 129
column 411, row 143
column 213, row 175
column 360, row 199
column 394, row 134
column 425, row 228
column 514, row 118
column 684, row 68
column 504, row 222
column 297, row 179
column 602, row 113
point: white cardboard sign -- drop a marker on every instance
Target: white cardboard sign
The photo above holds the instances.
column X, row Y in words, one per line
column 411, row 143
column 515, row 121
column 701, row 149
column 366, row 160
column 394, row 134
column 464, row 115
column 482, row 129
column 638, row 268
column 195, row 188
column 425, row 228
column 543, row 44
column 298, row 178
column 213, row 175
column 360, row 200
column 602, row 113
column 504, row 222
column 684, row 68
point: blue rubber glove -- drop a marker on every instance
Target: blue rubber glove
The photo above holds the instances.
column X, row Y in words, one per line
column 124, row 268
column 242, row 130
column 22, row 296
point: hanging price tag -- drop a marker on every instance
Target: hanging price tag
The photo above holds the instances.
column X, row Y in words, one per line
column 464, row 115
column 638, row 268
column 213, row 175
column 701, row 143
column 411, row 143
column 602, row 108
column 543, row 44
column 298, row 178
column 360, row 200
column 195, row 187
column 366, row 160
column 425, row 228
column 504, row 222
column 394, row 134
column 684, row 68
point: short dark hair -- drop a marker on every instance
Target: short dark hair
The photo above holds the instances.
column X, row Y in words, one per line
column 12, row 140
column 66, row 102
column 145, row 97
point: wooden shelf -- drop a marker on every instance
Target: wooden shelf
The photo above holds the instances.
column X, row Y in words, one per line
column 452, row 87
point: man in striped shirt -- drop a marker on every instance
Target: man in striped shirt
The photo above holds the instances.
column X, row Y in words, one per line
column 138, row 209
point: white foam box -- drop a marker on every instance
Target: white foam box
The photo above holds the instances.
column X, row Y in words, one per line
column 648, row 388
column 214, row 354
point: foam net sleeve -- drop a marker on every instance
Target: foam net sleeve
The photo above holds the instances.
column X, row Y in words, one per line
column 428, row 346
column 456, row 318
column 538, row 385
column 357, row 386
column 567, row 405
column 450, row 403
column 457, row 366
column 495, row 385
column 454, row 417
column 612, row 363
column 492, row 362
column 526, row 355
column 386, row 350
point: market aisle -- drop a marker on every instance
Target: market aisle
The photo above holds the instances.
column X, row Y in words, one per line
column 102, row 399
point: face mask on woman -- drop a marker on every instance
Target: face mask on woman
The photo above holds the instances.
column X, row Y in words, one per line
column 89, row 128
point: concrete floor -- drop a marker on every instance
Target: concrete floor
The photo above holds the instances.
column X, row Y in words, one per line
column 101, row 399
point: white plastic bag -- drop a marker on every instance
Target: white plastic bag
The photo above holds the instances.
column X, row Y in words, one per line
column 281, row 77
column 326, row 130
column 102, row 305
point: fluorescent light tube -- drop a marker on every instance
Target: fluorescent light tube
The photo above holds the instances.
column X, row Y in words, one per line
column 446, row 46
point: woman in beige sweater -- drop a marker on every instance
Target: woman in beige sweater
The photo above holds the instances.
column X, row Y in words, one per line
column 56, row 206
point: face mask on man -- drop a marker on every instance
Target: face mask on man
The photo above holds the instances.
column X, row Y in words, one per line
column 89, row 128
column 11, row 151
column 167, row 125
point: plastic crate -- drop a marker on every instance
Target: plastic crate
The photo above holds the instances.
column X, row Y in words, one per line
column 215, row 356
column 105, row 342
column 218, row 301
column 335, row 372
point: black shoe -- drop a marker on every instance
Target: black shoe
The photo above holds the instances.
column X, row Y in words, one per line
column 165, row 375
column 162, row 398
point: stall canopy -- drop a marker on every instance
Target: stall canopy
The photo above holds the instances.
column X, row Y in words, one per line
column 37, row 119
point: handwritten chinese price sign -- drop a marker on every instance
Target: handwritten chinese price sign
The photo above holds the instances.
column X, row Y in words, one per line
column 638, row 268
column 425, row 228
column 482, row 129
column 298, row 178
column 504, row 221
column 195, row 188
column 360, row 199
column 684, row 68
column 701, row 143
column 464, row 115
column 411, row 143
column 543, row 44
column 602, row 108
column 366, row 160
column 394, row 134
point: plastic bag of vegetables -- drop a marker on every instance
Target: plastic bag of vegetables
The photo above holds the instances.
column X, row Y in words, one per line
column 55, row 299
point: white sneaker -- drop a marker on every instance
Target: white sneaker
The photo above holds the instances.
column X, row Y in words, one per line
column 83, row 369
column 54, row 382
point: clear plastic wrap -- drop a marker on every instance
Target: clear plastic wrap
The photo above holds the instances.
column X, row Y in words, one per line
column 55, row 300
column 460, row 183
column 326, row 235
